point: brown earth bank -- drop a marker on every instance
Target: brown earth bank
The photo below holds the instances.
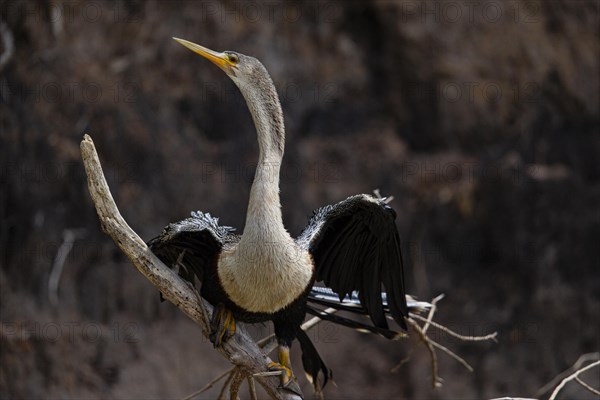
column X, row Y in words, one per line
column 481, row 118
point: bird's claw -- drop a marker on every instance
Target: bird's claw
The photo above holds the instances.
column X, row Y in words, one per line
column 288, row 380
column 222, row 325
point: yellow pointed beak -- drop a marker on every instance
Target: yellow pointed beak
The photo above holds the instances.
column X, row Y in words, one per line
column 220, row 59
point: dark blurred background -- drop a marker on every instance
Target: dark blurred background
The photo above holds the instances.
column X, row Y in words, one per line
column 480, row 117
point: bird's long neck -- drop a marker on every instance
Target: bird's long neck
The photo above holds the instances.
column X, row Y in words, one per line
column 264, row 220
column 265, row 272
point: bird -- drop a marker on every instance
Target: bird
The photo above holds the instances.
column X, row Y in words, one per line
column 348, row 257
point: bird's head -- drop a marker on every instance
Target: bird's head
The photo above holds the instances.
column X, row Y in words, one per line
column 253, row 80
column 240, row 68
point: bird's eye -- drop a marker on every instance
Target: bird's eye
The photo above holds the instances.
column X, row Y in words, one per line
column 232, row 58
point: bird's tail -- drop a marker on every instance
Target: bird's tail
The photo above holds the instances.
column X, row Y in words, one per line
column 322, row 296
column 312, row 362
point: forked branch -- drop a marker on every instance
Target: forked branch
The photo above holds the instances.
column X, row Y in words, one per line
column 432, row 345
column 240, row 350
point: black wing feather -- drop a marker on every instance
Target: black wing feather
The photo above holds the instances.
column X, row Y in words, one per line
column 191, row 245
column 394, row 278
column 356, row 247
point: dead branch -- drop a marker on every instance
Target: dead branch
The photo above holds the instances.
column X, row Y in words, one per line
column 584, row 358
column 8, row 43
column 69, row 237
column 436, row 381
column 237, row 379
column 268, row 345
column 571, row 374
column 432, row 345
column 226, row 385
column 492, row 336
column 251, row 388
column 571, row 377
column 432, row 311
column 588, row 387
column 209, row 384
column 513, row 398
column 240, row 350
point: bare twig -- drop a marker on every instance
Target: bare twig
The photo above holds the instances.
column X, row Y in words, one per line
column 204, row 312
column 584, row 358
column 267, row 373
column 491, row 336
column 237, row 379
column 588, row 387
column 571, row 377
column 264, row 342
column 314, row 321
column 432, row 345
column 401, row 363
column 8, row 43
column 226, row 385
column 69, row 237
column 209, row 384
column 252, row 388
column 451, row 354
column 513, row 398
column 240, row 350
column 436, row 381
column 268, row 345
column 432, row 311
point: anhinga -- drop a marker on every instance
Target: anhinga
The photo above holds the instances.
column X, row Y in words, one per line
column 353, row 247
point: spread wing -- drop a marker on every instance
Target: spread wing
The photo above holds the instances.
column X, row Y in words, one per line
column 192, row 245
column 356, row 247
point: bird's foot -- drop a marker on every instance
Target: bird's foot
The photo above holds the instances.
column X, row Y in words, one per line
column 288, row 380
column 222, row 325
